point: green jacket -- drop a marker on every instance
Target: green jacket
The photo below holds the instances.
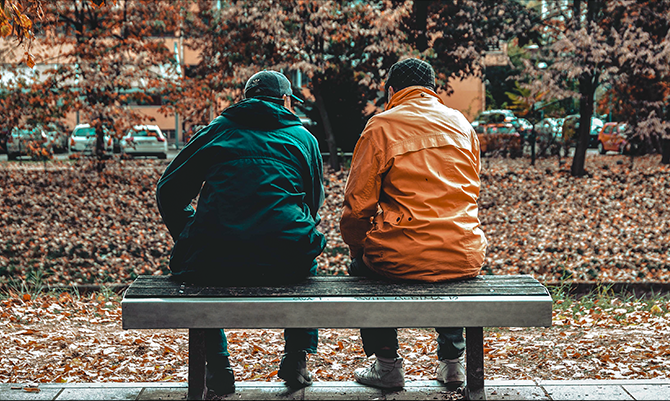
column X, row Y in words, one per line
column 258, row 172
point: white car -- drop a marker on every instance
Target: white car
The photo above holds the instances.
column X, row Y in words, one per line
column 524, row 125
column 19, row 141
column 145, row 140
column 83, row 140
column 548, row 129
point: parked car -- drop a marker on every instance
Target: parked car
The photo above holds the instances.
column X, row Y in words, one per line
column 571, row 128
column 548, row 136
column 523, row 126
column 57, row 136
column 548, row 129
column 4, row 134
column 20, row 141
column 497, row 116
column 492, row 116
column 612, row 137
column 500, row 137
column 144, row 140
column 192, row 132
column 83, row 141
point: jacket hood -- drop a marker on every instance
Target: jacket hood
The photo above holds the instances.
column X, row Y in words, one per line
column 261, row 113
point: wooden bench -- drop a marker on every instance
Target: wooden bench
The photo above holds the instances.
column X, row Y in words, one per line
column 156, row 302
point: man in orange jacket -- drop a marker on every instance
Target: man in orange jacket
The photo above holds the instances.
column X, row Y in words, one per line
column 410, row 209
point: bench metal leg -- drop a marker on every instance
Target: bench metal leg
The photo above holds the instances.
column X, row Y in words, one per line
column 474, row 346
column 197, row 390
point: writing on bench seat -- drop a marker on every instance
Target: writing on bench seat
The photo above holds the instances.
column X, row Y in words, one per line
column 400, row 298
column 408, row 298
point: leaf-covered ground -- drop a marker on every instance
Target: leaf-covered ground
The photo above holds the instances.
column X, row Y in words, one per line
column 70, row 224
column 609, row 226
column 64, row 338
column 73, row 225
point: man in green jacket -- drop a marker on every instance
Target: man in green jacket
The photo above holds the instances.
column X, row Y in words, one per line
column 257, row 174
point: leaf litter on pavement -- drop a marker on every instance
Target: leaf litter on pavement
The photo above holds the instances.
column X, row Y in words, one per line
column 58, row 338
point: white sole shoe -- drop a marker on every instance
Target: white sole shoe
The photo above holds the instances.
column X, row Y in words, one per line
column 382, row 375
column 452, row 372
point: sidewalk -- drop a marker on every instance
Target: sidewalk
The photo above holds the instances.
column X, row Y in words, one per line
column 417, row 390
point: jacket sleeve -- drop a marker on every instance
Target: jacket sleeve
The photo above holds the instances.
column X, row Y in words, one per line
column 179, row 185
column 361, row 193
column 318, row 193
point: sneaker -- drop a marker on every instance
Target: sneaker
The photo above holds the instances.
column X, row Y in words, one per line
column 452, row 372
column 383, row 373
column 220, row 380
column 293, row 369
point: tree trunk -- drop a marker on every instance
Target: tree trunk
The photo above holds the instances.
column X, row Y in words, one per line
column 533, row 138
column 98, row 123
column 420, row 10
column 99, row 143
column 665, row 150
column 327, row 128
column 99, row 148
column 586, row 89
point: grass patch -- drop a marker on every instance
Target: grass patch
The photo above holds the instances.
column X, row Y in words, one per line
column 34, row 287
column 602, row 298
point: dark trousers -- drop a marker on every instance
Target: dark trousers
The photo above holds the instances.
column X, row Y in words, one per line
column 216, row 343
column 383, row 342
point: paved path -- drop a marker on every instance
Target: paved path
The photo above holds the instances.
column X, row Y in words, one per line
column 417, row 390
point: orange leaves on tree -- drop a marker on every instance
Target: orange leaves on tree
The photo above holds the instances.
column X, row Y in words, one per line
column 26, row 23
column 5, row 29
column 13, row 18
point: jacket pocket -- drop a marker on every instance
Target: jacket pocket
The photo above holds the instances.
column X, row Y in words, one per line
column 393, row 218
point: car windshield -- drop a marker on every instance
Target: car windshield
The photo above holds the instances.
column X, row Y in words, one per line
column 506, row 130
column 145, row 133
column 496, row 117
column 82, row 132
column 32, row 133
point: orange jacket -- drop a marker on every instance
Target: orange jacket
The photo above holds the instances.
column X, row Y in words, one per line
column 410, row 202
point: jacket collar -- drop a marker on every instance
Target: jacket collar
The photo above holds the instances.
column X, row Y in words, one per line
column 409, row 93
column 262, row 113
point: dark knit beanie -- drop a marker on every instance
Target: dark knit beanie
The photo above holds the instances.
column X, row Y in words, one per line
column 410, row 72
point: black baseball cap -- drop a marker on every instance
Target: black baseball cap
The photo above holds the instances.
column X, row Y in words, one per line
column 269, row 83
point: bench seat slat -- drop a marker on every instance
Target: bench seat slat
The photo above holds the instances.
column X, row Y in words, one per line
column 164, row 287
